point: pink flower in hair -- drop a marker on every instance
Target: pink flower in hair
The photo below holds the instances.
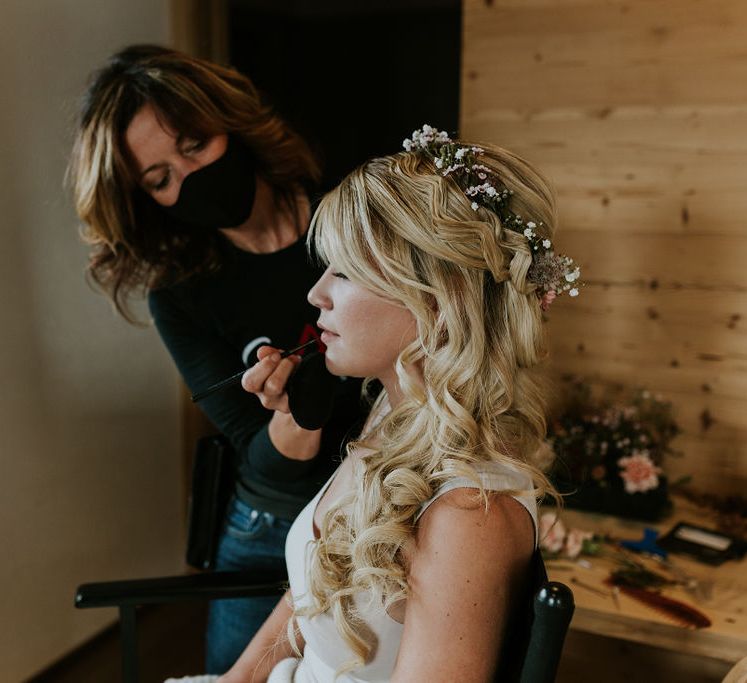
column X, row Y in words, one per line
column 547, row 299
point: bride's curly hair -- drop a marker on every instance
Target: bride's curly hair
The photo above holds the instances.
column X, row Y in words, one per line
column 400, row 229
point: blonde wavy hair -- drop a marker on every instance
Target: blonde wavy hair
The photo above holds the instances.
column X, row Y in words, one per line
column 400, row 229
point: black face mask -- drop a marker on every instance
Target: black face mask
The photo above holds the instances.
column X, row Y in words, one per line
column 221, row 194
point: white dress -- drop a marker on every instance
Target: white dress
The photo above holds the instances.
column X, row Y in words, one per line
column 325, row 650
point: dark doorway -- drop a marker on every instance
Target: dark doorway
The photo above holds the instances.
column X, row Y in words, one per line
column 354, row 77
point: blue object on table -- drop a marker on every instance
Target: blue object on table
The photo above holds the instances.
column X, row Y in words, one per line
column 647, row 544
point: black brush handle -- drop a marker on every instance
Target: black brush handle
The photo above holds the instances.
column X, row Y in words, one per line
column 235, row 379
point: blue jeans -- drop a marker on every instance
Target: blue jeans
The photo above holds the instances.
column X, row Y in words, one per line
column 251, row 540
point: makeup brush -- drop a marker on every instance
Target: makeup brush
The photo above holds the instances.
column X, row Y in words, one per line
column 235, row 379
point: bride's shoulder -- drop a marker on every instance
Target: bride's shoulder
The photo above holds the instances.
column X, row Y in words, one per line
column 463, row 522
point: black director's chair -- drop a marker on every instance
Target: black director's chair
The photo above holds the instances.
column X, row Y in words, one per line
column 551, row 613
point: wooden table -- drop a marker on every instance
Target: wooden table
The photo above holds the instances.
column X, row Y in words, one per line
column 725, row 605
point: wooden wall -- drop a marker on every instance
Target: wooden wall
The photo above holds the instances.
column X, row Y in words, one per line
column 637, row 111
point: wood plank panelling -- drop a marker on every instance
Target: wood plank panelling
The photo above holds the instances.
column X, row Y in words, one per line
column 637, row 112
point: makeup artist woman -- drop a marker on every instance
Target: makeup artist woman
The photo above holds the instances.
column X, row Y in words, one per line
column 192, row 189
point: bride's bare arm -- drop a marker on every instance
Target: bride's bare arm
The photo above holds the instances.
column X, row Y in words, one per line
column 267, row 648
column 466, row 568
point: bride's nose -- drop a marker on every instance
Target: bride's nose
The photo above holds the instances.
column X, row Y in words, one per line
column 318, row 295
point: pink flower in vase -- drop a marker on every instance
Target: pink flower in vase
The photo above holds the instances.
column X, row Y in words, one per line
column 639, row 472
column 551, row 533
column 574, row 542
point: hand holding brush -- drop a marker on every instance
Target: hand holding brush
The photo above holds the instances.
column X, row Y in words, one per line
column 236, row 378
column 304, row 388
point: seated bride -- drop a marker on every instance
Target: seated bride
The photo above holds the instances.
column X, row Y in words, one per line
column 414, row 562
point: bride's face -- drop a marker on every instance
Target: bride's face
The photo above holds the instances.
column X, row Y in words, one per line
column 363, row 332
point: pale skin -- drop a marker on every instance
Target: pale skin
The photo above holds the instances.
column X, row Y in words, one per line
column 163, row 159
column 464, row 564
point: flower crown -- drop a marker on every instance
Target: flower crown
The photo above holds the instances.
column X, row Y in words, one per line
column 552, row 273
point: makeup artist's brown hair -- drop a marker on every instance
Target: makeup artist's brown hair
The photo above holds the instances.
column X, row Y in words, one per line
column 397, row 227
column 133, row 247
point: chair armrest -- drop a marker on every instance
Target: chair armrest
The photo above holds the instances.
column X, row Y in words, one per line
column 212, row 586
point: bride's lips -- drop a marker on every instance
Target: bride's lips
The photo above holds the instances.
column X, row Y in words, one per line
column 327, row 335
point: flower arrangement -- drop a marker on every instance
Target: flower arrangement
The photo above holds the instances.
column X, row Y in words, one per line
column 558, row 542
column 552, row 273
column 610, row 451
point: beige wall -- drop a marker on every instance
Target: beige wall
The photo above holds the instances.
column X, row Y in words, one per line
column 637, row 111
column 89, row 460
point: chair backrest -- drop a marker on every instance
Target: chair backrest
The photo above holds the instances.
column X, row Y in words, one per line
column 213, row 481
column 534, row 640
column 553, row 609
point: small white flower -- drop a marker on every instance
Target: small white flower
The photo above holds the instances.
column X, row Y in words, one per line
column 474, row 205
column 531, row 224
column 573, row 292
column 460, row 152
column 407, row 144
column 528, row 232
column 546, row 244
column 439, row 162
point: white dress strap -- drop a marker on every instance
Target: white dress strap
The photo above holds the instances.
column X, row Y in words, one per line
column 495, row 476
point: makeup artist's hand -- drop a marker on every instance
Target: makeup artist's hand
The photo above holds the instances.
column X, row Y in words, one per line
column 267, row 379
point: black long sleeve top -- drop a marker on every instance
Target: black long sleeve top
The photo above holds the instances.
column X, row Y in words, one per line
column 213, row 324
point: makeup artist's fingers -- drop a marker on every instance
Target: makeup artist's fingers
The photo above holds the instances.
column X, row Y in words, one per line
column 268, row 377
column 264, row 351
column 273, row 396
column 255, row 377
column 276, row 382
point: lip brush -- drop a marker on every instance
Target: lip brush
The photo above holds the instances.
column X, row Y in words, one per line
column 235, row 379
